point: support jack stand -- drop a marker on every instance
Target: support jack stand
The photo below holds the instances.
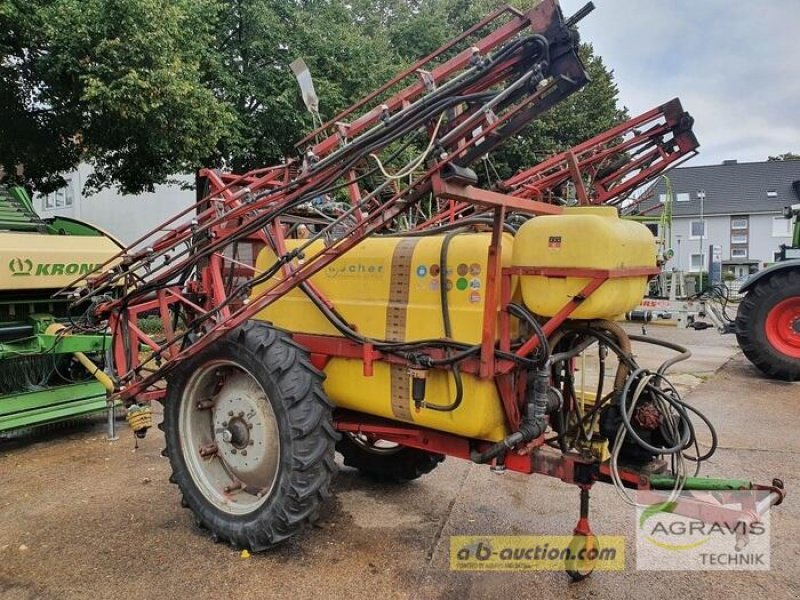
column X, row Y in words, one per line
column 112, row 424
column 584, row 547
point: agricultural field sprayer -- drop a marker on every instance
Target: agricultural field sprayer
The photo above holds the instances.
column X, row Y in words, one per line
column 291, row 330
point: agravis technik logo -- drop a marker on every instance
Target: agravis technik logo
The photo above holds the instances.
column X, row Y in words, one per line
column 670, row 535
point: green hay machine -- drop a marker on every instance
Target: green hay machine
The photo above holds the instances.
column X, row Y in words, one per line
column 46, row 374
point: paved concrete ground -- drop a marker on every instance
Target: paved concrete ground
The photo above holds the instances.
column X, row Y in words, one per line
column 80, row 517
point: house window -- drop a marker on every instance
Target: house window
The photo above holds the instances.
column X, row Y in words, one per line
column 772, row 194
column 697, row 229
column 682, row 197
column 738, row 238
column 697, row 262
column 61, row 198
column 781, row 227
column 662, row 198
column 738, row 222
column 738, row 252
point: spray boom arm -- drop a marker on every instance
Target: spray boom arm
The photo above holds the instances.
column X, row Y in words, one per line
column 457, row 109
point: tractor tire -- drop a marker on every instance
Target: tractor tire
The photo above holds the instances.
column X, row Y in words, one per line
column 768, row 325
column 396, row 464
column 250, row 438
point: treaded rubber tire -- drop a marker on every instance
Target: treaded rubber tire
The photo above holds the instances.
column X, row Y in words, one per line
column 751, row 324
column 406, row 464
column 307, row 438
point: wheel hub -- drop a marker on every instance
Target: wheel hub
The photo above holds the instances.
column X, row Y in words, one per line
column 238, row 433
column 783, row 327
column 240, row 425
column 240, row 430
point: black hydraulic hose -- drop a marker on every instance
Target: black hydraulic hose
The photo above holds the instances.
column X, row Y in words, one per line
column 379, row 135
column 448, row 328
column 405, row 349
column 522, row 313
column 381, row 138
column 528, row 430
column 712, row 430
column 572, row 352
column 682, row 408
column 678, row 446
column 683, row 352
column 589, row 414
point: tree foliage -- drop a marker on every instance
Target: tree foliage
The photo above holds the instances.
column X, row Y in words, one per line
column 114, row 82
column 144, row 89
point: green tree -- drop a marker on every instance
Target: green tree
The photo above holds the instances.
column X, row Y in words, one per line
column 117, row 83
column 257, row 41
column 144, row 89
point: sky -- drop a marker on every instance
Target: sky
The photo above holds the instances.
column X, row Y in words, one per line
column 734, row 64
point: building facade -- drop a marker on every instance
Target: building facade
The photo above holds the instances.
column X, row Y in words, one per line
column 736, row 206
column 126, row 217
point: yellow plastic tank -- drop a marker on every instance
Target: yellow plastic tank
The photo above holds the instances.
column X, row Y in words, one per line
column 389, row 288
column 590, row 237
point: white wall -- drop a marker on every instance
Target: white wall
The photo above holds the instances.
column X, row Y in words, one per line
column 684, row 244
column 761, row 243
column 126, row 217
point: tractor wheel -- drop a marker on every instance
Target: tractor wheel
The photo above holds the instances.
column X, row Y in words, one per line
column 250, row 438
column 768, row 325
column 384, row 461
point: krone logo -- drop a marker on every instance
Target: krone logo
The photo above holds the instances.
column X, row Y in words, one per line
column 20, row 266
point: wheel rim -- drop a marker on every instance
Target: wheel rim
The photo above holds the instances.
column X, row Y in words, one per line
column 374, row 446
column 231, row 441
column 783, row 327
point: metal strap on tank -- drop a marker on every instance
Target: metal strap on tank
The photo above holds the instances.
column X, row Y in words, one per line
column 396, row 315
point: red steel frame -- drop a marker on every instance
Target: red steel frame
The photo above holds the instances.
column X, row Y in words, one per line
column 614, row 163
column 237, row 204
